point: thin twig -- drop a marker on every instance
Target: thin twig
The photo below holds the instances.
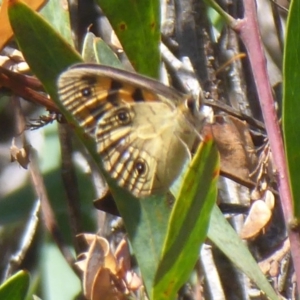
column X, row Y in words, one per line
column 26, row 87
column 41, row 193
column 70, row 182
column 49, row 218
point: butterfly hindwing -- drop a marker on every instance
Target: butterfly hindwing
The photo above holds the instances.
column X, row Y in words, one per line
column 139, row 152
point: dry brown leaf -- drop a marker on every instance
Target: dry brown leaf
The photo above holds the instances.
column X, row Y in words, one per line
column 271, row 265
column 93, row 261
column 122, row 254
column 133, row 281
column 13, row 60
column 106, row 275
column 21, row 155
column 269, row 199
column 258, row 217
column 102, row 287
column 235, row 145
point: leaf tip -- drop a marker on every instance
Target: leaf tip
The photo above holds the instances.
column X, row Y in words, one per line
column 207, row 137
column 216, row 173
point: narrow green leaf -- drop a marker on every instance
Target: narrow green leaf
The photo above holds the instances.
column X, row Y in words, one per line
column 291, row 103
column 226, row 239
column 54, row 271
column 48, row 55
column 46, row 52
column 137, row 25
column 58, row 16
column 105, row 55
column 95, row 50
column 16, row 287
column 188, row 222
column 146, row 223
column 88, row 51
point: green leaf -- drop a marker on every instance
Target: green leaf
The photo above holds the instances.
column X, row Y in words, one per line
column 105, row 55
column 58, row 16
column 291, row 103
column 226, row 239
column 145, row 220
column 16, row 287
column 88, row 51
column 55, row 271
column 46, row 52
column 146, row 224
column 95, row 50
column 137, row 25
column 189, row 221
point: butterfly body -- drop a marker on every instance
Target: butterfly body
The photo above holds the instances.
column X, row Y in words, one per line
column 143, row 129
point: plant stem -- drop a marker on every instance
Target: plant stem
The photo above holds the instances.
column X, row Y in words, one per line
column 248, row 30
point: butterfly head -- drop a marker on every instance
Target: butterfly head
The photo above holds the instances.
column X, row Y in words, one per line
column 192, row 108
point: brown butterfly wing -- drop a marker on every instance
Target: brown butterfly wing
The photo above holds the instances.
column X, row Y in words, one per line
column 89, row 91
column 143, row 144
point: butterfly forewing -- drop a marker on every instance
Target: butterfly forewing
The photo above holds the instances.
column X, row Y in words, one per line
column 140, row 130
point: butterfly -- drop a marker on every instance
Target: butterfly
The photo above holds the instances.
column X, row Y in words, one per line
column 143, row 129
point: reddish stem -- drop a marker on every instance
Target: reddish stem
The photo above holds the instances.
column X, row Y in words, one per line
column 250, row 35
column 26, row 87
